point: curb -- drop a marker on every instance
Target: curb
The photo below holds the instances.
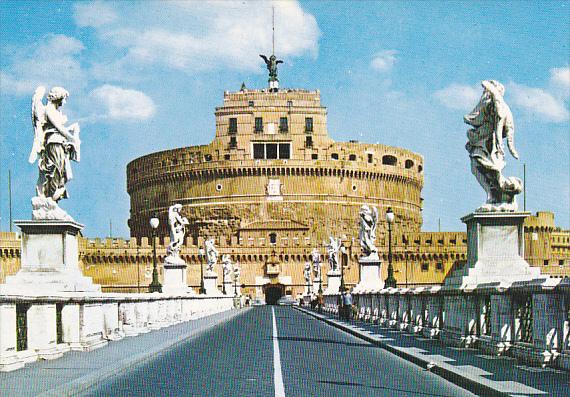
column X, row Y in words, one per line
column 85, row 382
column 441, row 369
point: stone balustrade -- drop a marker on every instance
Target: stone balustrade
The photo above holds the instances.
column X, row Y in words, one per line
column 528, row 320
column 45, row 327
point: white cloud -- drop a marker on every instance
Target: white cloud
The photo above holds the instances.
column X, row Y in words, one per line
column 560, row 76
column 93, row 14
column 539, row 102
column 199, row 36
column 54, row 61
column 384, row 61
column 123, row 104
column 458, row 96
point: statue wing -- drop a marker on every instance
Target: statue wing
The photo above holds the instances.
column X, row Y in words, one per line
column 278, row 61
column 38, row 121
column 264, row 58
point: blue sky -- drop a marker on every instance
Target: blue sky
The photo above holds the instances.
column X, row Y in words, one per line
column 146, row 76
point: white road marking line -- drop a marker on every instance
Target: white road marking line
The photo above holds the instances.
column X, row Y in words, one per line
column 278, row 376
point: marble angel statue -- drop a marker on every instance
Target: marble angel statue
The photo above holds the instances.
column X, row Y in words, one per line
column 177, row 224
column 307, row 272
column 367, row 233
column 227, row 264
column 333, row 249
column 316, row 258
column 55, row 144
column 211, row 255
column 492, row 122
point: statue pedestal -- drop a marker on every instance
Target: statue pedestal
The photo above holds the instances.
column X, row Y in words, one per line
column 495, row 250
column 174, row 281
column 50, row 260
column 210, row 284
column 369, row 274
column 333, row 282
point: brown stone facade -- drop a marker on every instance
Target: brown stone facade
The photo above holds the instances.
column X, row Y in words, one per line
column 272, row 159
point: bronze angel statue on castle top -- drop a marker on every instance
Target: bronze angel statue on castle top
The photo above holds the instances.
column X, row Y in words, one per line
column 55, row 144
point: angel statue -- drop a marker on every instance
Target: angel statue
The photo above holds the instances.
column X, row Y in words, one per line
column 492, row 121
column 211, row 254
column 271, row 64
column 367, row 233
column 55, row 144
column 307, row 272
column 227, row 265
column 177, row 225
column 333, row 248
column 316, row 258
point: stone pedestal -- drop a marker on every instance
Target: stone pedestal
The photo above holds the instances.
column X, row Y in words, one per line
column 495, row 250
column 333, row 282
column 50, row 260
column 369, row 274
column 174, row 281
column 210, row 284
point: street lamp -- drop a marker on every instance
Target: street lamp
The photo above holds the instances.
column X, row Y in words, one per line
column 390, row 281
column 154, row 285
column 201, row 254
column 342, row 265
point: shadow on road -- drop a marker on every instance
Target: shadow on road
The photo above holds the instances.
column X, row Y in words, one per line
column 321, row 340
column 393, row 389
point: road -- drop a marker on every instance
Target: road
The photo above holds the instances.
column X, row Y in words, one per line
column 276, row 351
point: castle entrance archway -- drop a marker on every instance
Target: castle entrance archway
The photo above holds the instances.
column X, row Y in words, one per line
column 273, row 292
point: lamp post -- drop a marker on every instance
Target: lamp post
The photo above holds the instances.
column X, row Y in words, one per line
column 224, row 281
column 390, row 281
column 201, row 253
column 342, row 264
column 154, row 285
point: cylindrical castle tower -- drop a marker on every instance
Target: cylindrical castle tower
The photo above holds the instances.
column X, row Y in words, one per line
column 272, row 170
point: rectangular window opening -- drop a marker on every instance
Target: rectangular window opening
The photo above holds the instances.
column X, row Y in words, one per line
column 284, row 151
column 258, row 151
column 271, row 151
column 308, row 124
column 259, row 124
column 232, row 129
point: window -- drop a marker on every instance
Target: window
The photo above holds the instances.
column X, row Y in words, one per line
column 258, row 151
column 273, row 238
column 425, row 267
column 208, row 157
column 334, row 156
column 420, row 168
column 560, row 262
column 309, row 142
column 439, row 266
column 389, row 160
column 283, row 124
column 232, row 129
column 271, row 151
column 250, row 103
column 546, row 262
column 226, row 156
column 259, row 124
column 314, row 156
column 409, row 164
column 233, row 142
column 308, row 124
column 352, row 157
column 289, row 103
column 284, row 151
column 370, row 157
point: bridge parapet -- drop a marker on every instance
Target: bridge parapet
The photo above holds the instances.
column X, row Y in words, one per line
column 45, row 327
column 527, row 320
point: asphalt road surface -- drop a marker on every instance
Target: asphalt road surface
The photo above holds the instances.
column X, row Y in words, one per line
column 276, row 351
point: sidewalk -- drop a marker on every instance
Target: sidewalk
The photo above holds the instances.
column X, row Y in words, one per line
column 468, row 368
column 76, row 371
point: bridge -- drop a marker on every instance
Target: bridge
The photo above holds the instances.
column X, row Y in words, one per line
column 281, row 351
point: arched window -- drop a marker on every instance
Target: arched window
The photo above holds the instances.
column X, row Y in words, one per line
column 352, row 157
column 389, row 160
column 273, row 238
column 420, row 168
column 409, row 164
column 334, row 156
